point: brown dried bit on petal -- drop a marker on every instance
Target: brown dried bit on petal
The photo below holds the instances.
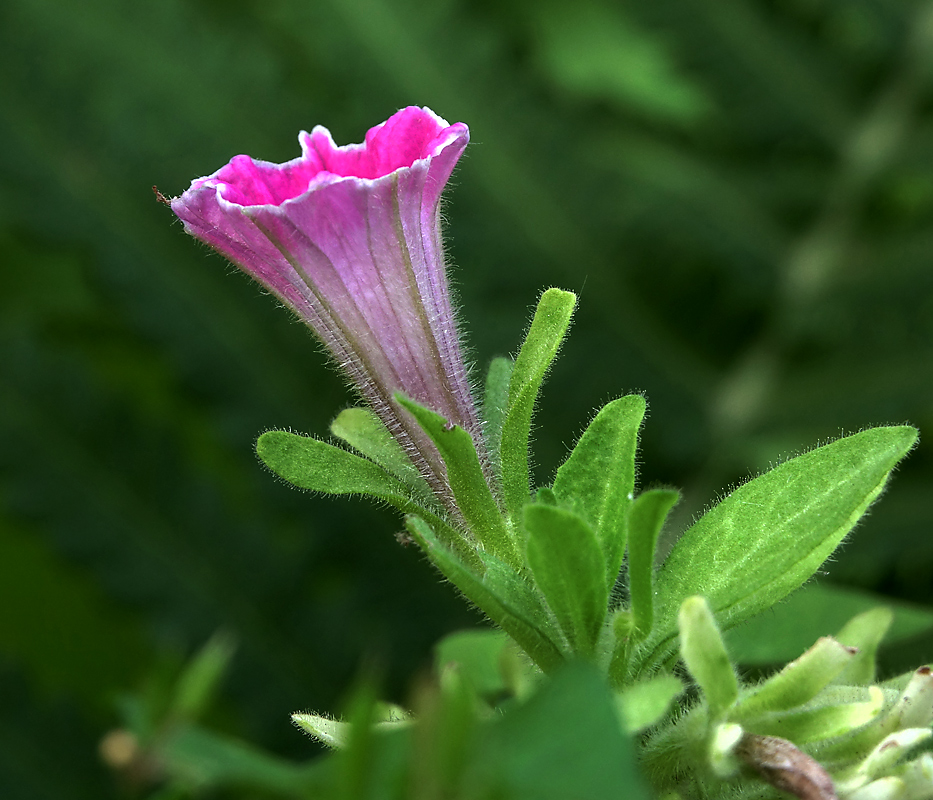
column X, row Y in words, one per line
column 785, row 767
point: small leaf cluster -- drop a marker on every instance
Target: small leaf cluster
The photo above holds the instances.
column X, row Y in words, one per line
column 817, row 728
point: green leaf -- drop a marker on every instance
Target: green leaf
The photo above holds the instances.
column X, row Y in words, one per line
column 799, row 681
column 621, row 626
column 570, row 570
column 364, row 431
column 200, row 680
column 598, row 478
column 207, row 760
column 467, row 481
column 820, row 609
column 565, row 742
column 864, row 633
column 644, row 703
column 770, row 535
column 317, row 466
column 704, row 653
column 478, row 656
column 335, row 734
column 547, row 331
column 645, row 519
column 327, row 731
column 504, row 604
column 495, row 403
column 834, row 717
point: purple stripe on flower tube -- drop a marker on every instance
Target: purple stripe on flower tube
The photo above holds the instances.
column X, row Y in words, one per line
column 349, row 238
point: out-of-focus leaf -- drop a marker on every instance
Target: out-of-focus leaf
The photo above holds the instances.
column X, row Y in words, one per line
column 785, row 630
column 565, row 742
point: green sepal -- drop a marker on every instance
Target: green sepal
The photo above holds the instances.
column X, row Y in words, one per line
column 495, row 403
column 772, row 534
column 800, row 681
column 865, row 633
column 568, row 567
column 547, row 331
column 835, row 716
column 646, row 517
column 494, row 595
column 598, row 478
column 365, row 432
column 467, row 481
column 644, row 703
column 705, row 655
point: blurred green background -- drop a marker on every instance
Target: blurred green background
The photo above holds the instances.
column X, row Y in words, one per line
column 741, row 193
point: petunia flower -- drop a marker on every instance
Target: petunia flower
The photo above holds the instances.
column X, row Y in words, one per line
column 349, row 238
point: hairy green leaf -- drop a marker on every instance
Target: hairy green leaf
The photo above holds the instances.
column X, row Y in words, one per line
column 645, row 519
column 547, row 331
column 364, row 431
column 569, row 568
column 565, row 742
column 467, row 481
column 799, row 681
column 836, row 715
column 496, row 599
column 704, row 653
column 317, row 466
column 598, row 478
column 642, row 704
column 769, row 536
column 495, row 404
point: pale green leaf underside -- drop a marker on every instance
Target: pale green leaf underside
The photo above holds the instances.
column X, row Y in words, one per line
column 769, row 536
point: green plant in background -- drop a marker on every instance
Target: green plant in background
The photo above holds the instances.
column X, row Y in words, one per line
column 594, row 630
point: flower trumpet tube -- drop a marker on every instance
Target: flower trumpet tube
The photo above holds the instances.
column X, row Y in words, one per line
column 349, row 238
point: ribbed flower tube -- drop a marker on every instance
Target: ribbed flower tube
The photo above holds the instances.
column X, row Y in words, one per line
column 349, row 238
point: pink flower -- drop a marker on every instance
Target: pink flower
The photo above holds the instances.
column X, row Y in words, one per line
column 349, row 238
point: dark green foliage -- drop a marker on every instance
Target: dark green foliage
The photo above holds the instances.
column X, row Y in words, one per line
column 680, row 170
